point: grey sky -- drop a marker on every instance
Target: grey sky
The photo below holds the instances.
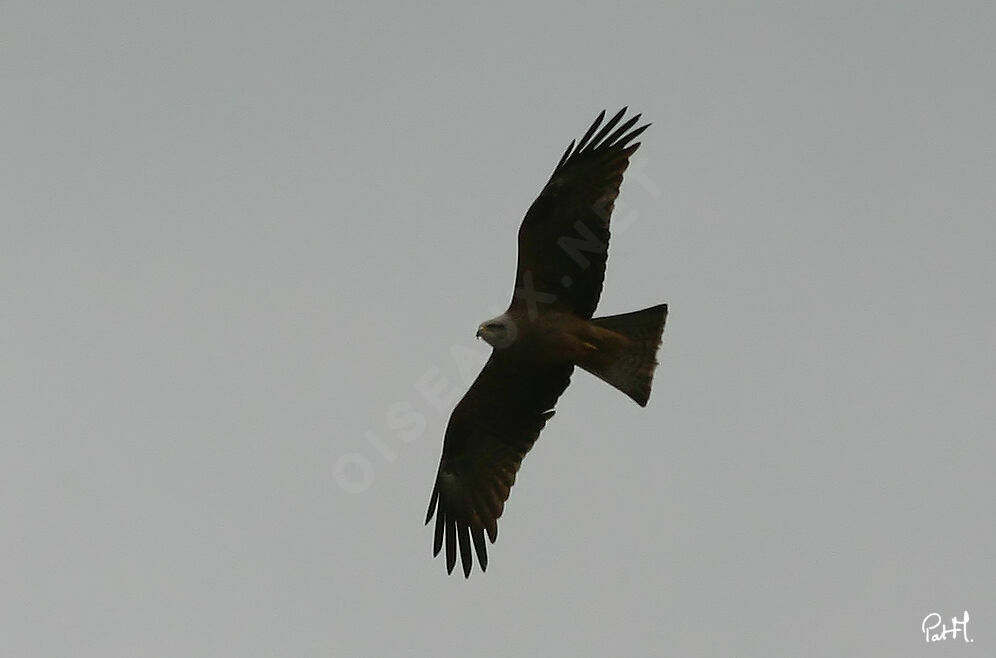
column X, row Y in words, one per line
column 235, row 240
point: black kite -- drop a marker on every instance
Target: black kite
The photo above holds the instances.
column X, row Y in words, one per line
column 546, row 331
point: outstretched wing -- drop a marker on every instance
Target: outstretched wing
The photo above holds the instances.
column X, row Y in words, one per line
column 564, row 238
column 490, row 431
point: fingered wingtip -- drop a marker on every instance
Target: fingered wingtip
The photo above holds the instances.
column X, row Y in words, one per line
column 433, row 499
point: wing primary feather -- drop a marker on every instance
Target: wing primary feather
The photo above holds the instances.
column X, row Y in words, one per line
column 486, row 501
column 492, row 529
column 591, row 130
column 437, row 542
column 480, row 547
column 567, row 154
column 596, row 141
column 465, row 556
column 451, row 541
column 432, row 504
column 633, row 135
column 621, row 130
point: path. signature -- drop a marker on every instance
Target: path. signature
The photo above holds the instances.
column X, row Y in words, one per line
column 933, row 622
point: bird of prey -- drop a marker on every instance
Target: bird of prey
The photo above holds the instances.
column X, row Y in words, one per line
column 547, row 330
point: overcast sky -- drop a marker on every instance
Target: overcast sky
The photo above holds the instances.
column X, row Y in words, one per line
column 238, row 242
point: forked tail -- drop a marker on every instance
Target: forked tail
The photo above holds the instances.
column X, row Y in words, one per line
column 628, row 361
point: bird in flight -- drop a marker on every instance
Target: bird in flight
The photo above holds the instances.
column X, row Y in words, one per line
column 547, row 330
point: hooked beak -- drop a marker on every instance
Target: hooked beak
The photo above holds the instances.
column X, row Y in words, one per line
column 478, row 334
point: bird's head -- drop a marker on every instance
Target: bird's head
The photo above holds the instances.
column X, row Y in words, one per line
column 498, row 332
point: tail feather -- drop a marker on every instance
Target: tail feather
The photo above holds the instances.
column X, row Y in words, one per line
column 630, row 362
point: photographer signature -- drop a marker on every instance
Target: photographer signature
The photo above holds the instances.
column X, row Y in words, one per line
column 933, row 622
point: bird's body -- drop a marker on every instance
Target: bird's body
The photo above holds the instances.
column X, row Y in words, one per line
column 546, row 332
column 550, row 338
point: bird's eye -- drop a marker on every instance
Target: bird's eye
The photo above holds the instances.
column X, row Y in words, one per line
column 493, row 325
